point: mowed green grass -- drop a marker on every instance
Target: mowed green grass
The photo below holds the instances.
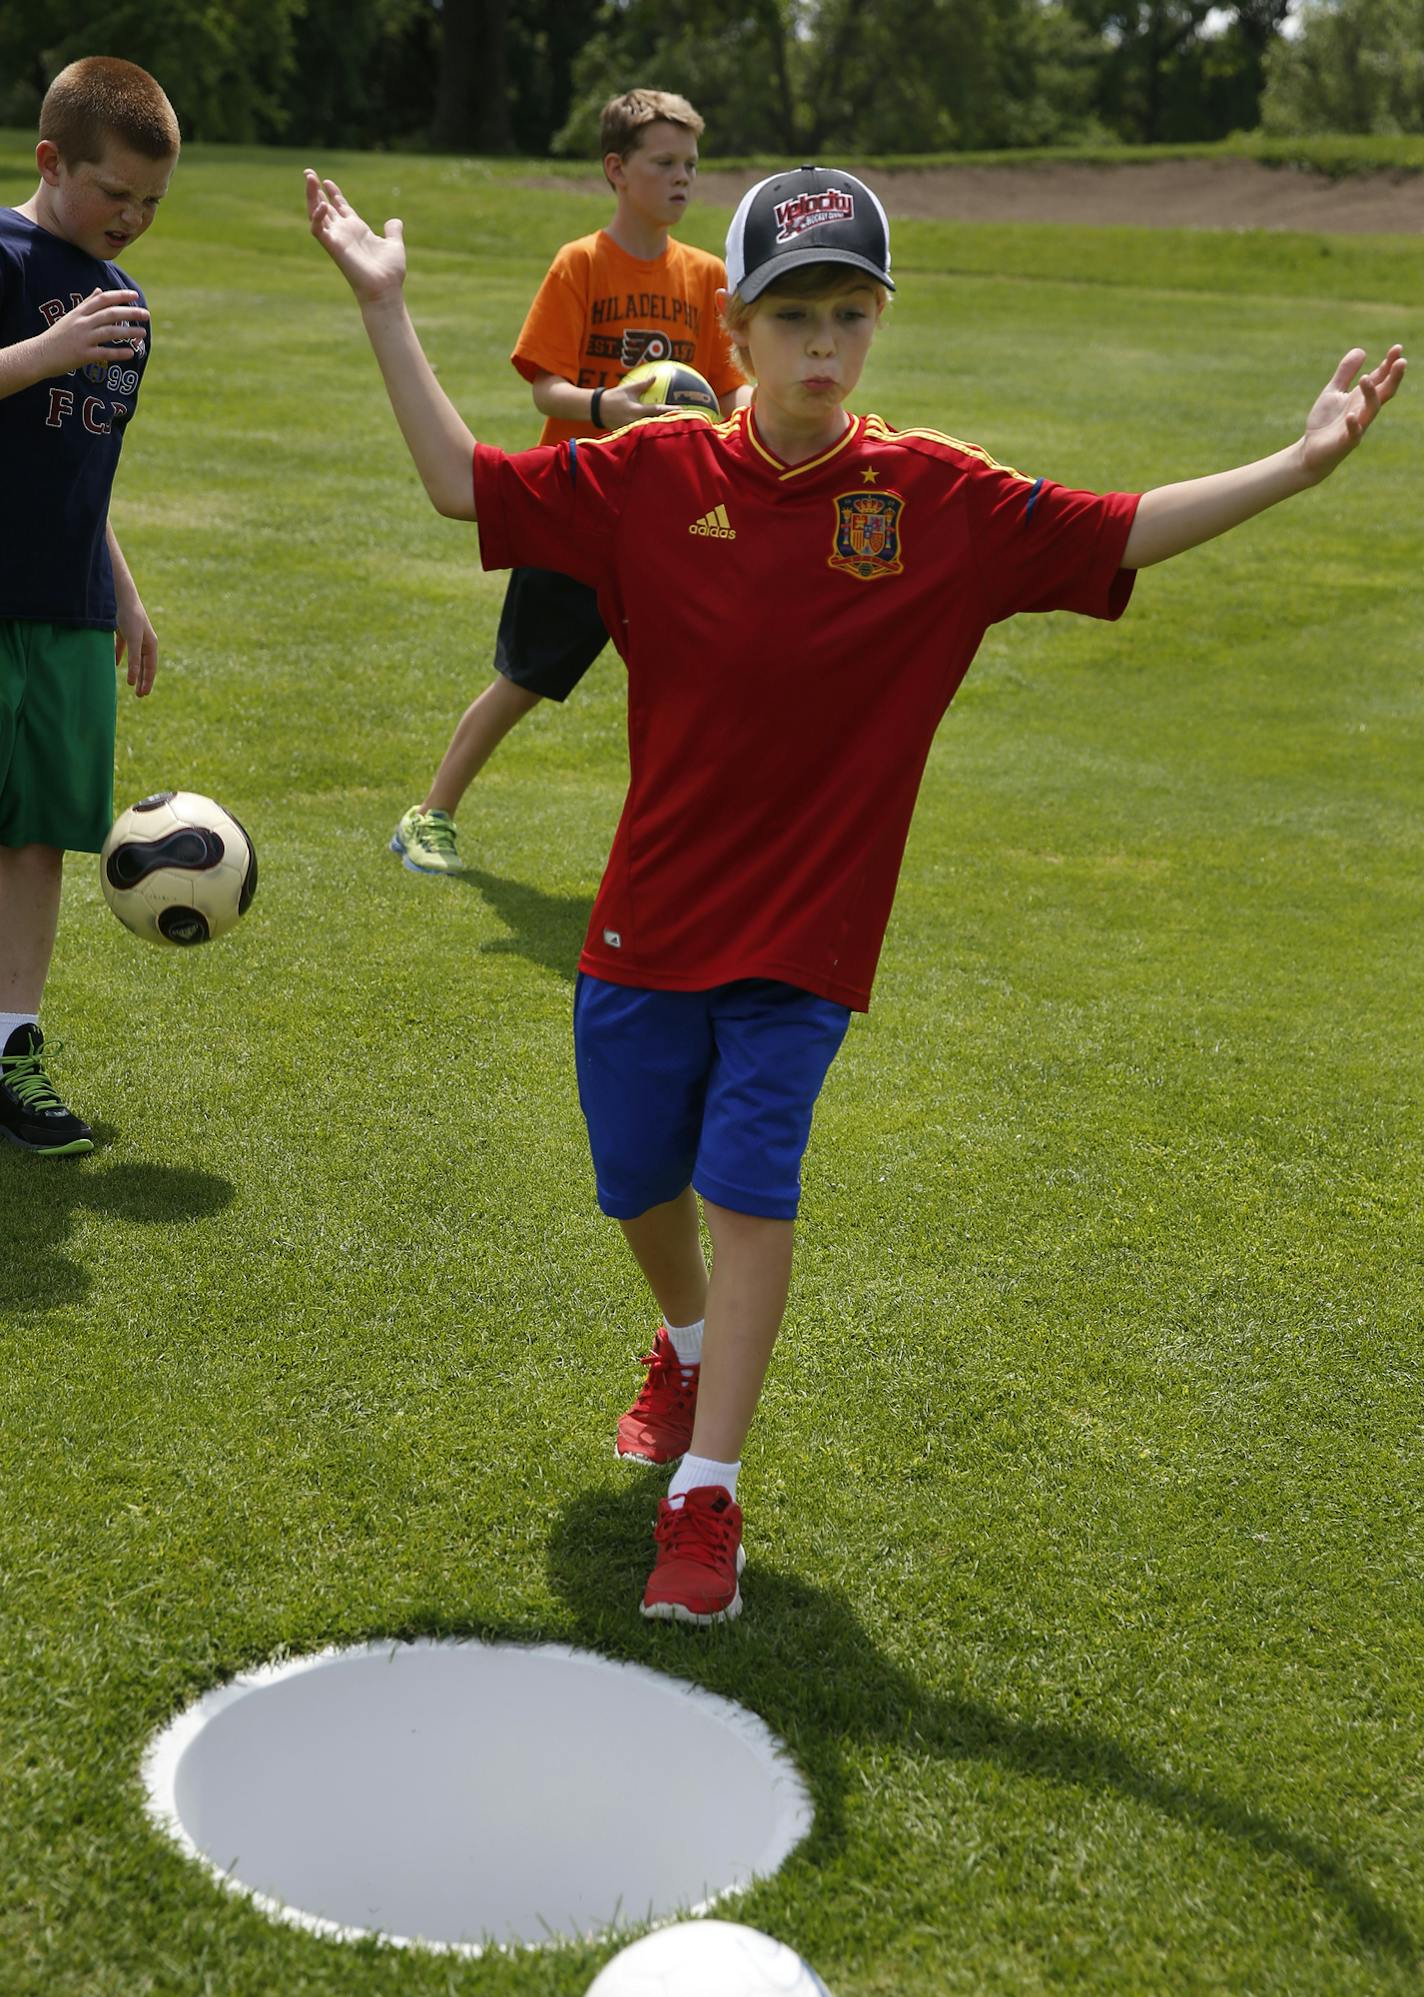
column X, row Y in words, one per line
column 1084, row 1507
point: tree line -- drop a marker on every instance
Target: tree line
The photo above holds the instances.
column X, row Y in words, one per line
column 772, row 77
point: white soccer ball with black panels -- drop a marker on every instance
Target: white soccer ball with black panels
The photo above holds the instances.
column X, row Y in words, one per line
column 176, row 868
column 707, row 1959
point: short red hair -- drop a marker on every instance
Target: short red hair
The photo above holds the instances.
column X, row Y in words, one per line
column 100, row 98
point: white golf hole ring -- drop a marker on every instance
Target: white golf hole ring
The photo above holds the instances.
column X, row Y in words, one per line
column 460, row 1796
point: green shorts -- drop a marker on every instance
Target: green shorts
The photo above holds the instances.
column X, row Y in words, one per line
column 58, row 703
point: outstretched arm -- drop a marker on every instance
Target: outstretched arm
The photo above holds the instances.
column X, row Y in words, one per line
column 374, row 267
column 1174, row 518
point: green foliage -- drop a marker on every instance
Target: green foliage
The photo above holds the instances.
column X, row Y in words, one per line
column 797, row 76
column 771, row 76
column 802, row 76
column 227, row 69
column 953, row 75
column 545, row 37
column 361, row 73
column 734, row 64
column 314, row 72
column 1179, row 69
column 322, row 71
column 1353, row 66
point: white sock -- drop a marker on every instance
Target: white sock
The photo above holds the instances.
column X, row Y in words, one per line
column 695, row 1473
column 11, row 1021
column 686, row 1341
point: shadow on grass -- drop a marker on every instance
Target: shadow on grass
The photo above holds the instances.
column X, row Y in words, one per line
column 42, row 1198
column 548, row 929
column 801, row 1659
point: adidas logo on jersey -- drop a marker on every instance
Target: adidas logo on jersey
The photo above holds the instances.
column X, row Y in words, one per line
column 715, row 524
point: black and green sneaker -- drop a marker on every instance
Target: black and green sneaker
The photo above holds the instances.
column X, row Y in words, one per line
column 31, row 1113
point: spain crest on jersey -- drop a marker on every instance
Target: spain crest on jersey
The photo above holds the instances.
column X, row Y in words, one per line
column 868, row 534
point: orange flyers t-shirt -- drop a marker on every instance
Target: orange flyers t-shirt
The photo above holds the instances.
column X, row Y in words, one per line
column 600, row 312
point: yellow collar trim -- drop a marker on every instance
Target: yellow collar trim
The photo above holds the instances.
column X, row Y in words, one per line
column 673, row 416
column 783, row 471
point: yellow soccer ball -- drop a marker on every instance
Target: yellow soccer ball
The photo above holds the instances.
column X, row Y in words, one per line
column 673, row 383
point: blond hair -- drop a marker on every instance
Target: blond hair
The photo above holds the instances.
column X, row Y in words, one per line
column 810, row 280
column 100, row 98
column 626, row 118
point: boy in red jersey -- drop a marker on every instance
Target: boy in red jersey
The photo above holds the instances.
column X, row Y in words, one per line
column 629, row 293
column 744, row 903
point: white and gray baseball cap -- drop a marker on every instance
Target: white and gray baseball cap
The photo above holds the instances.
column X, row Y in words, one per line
column 811, row 214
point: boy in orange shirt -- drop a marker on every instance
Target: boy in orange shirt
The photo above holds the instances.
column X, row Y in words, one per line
column 611, row 301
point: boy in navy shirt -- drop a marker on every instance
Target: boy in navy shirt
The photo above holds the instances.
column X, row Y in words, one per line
column 74, row 343
column 761, row 573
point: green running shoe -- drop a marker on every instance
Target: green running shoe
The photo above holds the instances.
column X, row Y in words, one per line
column 425, row 841
column 31, row 1113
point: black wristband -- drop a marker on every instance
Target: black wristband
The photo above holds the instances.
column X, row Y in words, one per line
column 593, row 415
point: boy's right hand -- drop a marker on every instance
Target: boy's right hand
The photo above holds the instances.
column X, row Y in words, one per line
column 101, row 328
column 374, row 266
column 621, row 406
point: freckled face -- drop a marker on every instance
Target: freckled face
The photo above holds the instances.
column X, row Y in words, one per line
column 104, row 205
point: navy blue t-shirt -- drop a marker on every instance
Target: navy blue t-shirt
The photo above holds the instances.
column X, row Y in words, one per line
column 59, row 439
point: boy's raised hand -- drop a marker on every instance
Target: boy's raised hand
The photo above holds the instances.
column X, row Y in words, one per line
column 374, row 266
column 1342, row 414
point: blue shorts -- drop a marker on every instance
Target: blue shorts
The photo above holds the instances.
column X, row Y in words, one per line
column 712, row 1089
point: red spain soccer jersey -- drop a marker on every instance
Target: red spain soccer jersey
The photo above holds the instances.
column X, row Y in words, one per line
column 793, row 635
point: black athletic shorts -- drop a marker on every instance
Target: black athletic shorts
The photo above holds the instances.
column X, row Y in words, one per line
column 550, row 632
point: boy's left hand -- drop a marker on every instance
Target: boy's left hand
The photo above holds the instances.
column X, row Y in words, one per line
column 136, row 637
column 1342, row 414
column 374, row 266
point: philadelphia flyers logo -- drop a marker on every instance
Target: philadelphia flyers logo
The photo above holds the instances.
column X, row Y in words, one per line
column 639, row 345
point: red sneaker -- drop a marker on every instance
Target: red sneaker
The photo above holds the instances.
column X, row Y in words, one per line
column 658, row 1426
column 694, row 1578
